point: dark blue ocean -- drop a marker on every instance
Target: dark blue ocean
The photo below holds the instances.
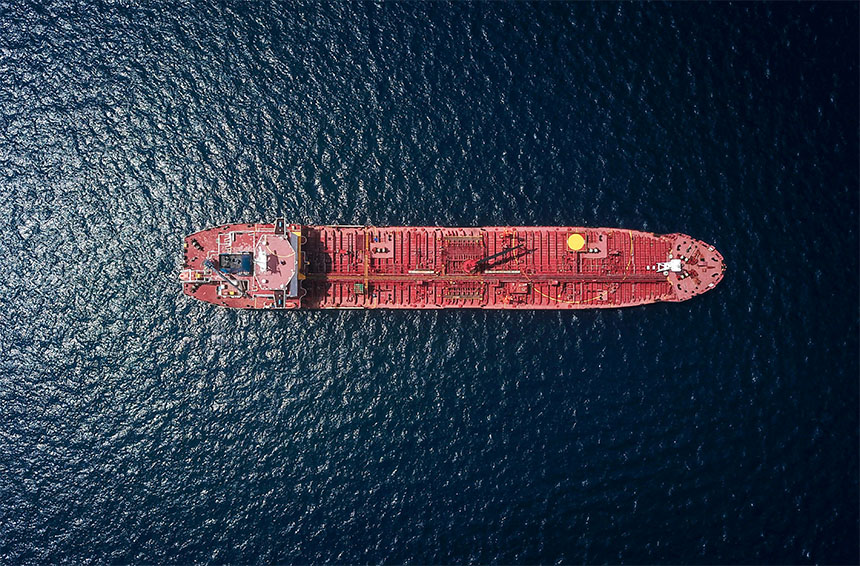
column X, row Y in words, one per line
column 137, row 426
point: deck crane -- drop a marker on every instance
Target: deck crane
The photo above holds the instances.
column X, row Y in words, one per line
column 476, row 265
column 211, row 265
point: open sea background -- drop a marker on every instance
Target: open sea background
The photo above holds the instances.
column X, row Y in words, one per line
column 139, row 426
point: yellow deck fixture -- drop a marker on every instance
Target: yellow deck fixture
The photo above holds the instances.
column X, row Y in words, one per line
column 575, row 242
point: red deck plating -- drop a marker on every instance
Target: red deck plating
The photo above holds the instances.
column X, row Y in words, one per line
column 284, row 266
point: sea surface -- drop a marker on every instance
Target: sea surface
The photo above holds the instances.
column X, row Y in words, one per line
column 138, row 426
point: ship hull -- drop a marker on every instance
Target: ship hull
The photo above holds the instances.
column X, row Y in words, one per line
column 280, row 266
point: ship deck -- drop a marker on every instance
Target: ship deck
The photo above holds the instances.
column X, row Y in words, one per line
column 357, row 267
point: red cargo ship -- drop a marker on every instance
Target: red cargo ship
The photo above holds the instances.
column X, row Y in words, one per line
column 292, row 266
